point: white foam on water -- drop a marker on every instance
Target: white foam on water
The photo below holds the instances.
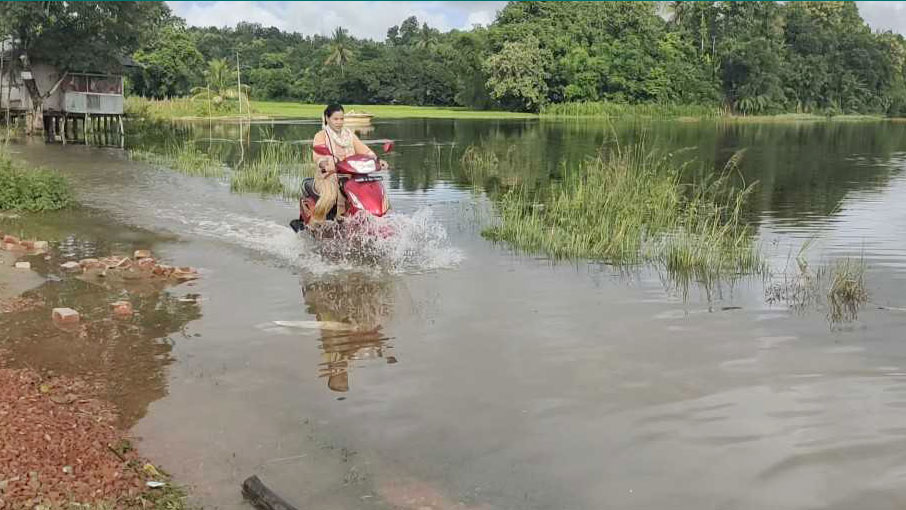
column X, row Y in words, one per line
column 396, row 243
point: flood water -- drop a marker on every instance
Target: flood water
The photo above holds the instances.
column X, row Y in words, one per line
column 460, row 374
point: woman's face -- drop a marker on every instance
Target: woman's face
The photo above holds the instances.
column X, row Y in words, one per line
column 335, row 121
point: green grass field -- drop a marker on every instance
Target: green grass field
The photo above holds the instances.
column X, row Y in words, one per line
column 313, row 111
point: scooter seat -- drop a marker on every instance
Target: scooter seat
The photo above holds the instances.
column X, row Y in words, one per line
column 308, row 188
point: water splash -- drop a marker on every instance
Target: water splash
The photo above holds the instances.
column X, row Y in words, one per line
column 395, row 243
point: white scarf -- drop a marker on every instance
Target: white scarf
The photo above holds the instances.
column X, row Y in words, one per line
column 343, row 139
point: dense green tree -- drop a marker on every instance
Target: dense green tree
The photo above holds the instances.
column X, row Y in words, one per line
column 518, row 74
column 169, row 64
column 750, row 57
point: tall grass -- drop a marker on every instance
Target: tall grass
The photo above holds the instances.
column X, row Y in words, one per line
column 847, row 291
column 841, row 283
column 34, row 190
column 186, row 158
column 631, row 206
column 179, row 107
column 609, row 109
column 278, row 169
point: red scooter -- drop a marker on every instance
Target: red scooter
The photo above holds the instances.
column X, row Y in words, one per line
column 363, row 191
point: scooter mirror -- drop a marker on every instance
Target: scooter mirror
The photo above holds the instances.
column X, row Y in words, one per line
column 321, row 150
column 388, row 146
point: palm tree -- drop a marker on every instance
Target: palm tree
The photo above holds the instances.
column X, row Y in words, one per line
column 340, row 49
column 219, row 78
column 218, row 74
column 427, row 38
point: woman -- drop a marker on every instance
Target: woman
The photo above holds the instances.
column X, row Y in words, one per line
column 342, row 143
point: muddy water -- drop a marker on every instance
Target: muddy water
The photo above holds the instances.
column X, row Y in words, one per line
column 459, row 374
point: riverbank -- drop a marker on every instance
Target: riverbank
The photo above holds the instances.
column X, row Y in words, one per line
column 60, row 448
column 64, row 441
column 62, row 444
column 185, row 109
column 605, row 110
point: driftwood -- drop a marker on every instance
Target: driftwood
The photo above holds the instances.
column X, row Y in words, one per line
column 254, row 490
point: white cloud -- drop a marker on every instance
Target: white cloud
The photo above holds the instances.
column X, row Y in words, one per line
column 371, row 19
column 362, row 19
column 480, row 18
column 884, row 15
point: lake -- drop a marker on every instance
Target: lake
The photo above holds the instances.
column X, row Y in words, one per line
column 460, row 373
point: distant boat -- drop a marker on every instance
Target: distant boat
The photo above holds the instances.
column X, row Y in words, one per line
column 358, row 118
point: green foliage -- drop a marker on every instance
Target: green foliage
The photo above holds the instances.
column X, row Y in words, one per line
column 517, row 75
column 603, row 109
column 80, row 36
column 31, row 190
column 748, row 58
column 168, row 65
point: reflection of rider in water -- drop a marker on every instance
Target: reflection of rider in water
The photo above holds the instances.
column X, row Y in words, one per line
column 351, row 309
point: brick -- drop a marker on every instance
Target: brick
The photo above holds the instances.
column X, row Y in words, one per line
column 122, row 309
column 65, row 316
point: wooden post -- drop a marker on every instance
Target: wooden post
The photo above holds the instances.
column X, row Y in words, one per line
column 85, row 128
column 63, row 129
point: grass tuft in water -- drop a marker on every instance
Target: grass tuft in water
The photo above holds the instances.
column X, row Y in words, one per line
column 277, row 170
column 632, row 206
column 841, row 283
column 34, row 190
column 185, row 158
column 847, row 291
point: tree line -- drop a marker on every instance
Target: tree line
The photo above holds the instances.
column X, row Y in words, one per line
column 746, row 57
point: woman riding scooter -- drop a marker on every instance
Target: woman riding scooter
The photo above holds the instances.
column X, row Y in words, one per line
column 342, row 143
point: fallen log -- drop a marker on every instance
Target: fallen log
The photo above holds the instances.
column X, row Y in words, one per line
column 254, row 490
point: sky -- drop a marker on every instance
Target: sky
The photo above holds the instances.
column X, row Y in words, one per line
column 372, row 19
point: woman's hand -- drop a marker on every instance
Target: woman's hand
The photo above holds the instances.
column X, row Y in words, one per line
column 327, row 167
column 383, row 164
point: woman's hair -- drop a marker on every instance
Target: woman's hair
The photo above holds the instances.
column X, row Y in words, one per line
column 331, row 109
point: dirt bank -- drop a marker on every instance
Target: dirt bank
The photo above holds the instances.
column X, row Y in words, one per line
column 59, row 446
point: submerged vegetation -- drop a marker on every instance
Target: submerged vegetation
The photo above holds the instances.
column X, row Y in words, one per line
column 847, row 291
column 32, row 190
column 185, row 158
column 841, row 284
column 277, row 169
column 631, row 205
